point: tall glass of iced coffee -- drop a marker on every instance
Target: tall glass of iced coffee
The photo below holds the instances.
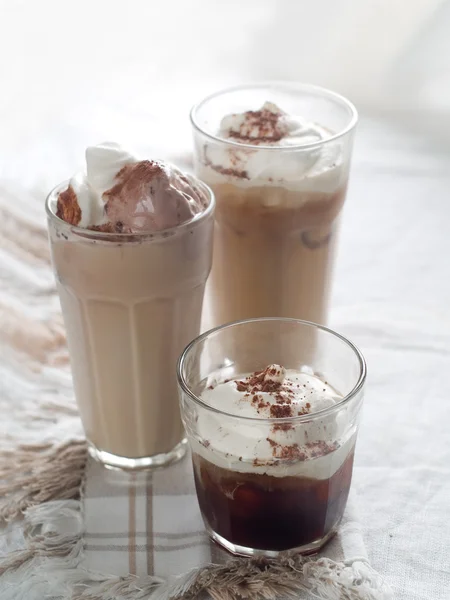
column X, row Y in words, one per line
column 131, row 244
column 277, row 156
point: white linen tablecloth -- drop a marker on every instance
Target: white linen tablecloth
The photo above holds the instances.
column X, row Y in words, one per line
column 392, row 296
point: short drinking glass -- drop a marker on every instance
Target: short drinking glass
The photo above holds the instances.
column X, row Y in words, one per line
column 265, row 485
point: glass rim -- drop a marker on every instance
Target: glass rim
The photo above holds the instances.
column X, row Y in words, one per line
column 138, row 235
column 297, row 419
column 273, row 83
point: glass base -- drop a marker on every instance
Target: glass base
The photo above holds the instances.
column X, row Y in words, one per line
column 237, row 550
column 113, row 461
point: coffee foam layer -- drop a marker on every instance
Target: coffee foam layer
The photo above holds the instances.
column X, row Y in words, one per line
column 315, row 448
column 282, row 160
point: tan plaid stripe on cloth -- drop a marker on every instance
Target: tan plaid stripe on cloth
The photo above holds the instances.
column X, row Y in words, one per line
column 149, row 523
column 145, row 523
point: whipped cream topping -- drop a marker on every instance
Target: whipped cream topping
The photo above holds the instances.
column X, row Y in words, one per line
column 314, row 448
column 270, row 126
column 312, row 168
column 119, row 193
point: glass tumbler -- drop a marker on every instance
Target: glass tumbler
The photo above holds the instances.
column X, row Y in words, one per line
column 253, row 503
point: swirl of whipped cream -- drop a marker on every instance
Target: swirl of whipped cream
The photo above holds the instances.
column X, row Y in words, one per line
column 103, row 162
column 318, row 446
column 271, row 127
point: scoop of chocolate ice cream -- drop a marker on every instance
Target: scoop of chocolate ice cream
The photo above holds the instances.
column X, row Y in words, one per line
column 150, row 196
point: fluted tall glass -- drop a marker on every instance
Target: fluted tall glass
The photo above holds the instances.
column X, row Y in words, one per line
column 130, row 303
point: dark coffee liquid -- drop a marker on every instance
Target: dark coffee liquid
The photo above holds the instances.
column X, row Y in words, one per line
column 270, row 513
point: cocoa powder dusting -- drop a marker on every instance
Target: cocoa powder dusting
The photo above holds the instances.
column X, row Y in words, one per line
column 320, row 448
column 259, row 126
column 282, row 427
column 265, row 382
column 228, row 172
column 67, row 207
column 131, row 178
column 282, row 392
column 259, row 382
column 281, row 411
column 286, row 451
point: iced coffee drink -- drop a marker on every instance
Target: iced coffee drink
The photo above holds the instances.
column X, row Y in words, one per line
column 277, row 158
column 131, row 245
column 247, row 495
column 272, row 448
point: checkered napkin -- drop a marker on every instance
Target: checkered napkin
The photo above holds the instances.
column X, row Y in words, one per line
column 149, row 523
column 145, row 523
